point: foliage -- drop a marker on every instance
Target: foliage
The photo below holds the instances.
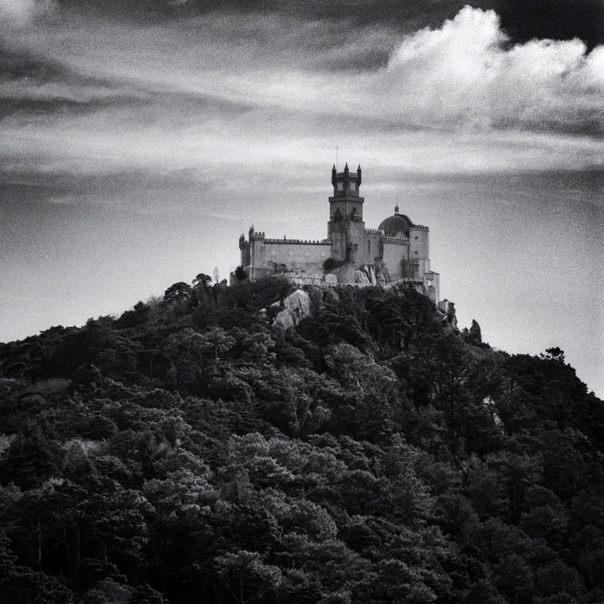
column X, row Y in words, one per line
column 187, row 452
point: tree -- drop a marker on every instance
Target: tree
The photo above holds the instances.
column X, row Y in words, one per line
column 137, row 316
column 554, row 354
column 240, row 274
column 355, row 458
column 178, row 292
column 202, row 280
column 247, row 577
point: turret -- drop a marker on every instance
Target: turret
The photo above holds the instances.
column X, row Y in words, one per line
column 346, row 184
column 346, row 227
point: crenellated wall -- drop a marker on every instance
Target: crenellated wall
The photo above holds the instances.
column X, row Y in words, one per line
column 270, row 256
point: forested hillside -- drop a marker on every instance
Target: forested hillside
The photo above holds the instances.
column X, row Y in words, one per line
column 189, row 452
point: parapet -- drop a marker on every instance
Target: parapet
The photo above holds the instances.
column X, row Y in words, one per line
column 396, row 240
column 286, row 241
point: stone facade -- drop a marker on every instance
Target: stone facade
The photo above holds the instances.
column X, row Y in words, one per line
column 397, row 251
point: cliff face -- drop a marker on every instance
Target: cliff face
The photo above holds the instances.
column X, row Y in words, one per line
column 361, row 451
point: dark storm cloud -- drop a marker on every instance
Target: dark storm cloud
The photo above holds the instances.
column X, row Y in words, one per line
column 556, row 19
column 523, row 20
column 34, row 85
column 16, row 65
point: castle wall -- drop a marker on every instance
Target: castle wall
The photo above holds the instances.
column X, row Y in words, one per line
column 356, row 237
column 337, row 235
column 432, row 280
column 394, row 252
column 270, row 256
column 245, row 253
column 419, row 248
column 373, row 246
column 346, row 207
column 344, row 233
column 419, row 242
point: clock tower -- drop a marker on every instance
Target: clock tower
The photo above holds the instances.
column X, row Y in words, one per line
column 346, row 229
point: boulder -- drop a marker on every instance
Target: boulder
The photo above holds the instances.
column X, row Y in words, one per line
column 295, row 307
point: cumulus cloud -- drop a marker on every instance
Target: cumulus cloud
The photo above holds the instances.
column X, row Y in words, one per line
column 464, row 74
column 18, row 13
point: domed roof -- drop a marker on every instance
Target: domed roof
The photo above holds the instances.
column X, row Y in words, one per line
column 399, row 224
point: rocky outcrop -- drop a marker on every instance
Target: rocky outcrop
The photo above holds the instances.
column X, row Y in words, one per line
column 447, row 311
column 451, row 317
column 365, row 275
column 474, row 334
column 295, row 307
column 381, row 273
column 345, row 272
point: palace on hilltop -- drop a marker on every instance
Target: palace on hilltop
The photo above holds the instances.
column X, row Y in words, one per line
column 397, row 251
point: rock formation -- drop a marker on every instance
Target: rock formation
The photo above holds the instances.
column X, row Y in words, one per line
column 295, row 307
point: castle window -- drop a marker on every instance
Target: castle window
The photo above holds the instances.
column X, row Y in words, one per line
column 416, row 237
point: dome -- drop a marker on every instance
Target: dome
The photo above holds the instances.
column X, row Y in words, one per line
column 399, row 224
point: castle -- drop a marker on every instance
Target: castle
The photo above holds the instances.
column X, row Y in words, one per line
column 397, row 251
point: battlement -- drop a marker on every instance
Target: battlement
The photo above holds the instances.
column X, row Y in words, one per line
column 396, row 240
column 286, row 241
column 419, row 227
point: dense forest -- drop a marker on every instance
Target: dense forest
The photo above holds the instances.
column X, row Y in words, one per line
column 191, row 451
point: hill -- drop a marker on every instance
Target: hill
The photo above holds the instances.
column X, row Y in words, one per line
column 188, row 451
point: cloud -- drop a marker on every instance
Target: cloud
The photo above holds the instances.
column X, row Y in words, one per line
column 464, row 73
column 18, row 13
column 214, row 92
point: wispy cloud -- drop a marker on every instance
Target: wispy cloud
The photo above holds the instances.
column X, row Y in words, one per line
column 207, row 92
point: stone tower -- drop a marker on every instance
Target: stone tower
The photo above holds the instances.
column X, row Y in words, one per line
column 346, row 229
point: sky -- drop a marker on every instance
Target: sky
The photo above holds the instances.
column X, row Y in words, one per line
column 138, row 139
